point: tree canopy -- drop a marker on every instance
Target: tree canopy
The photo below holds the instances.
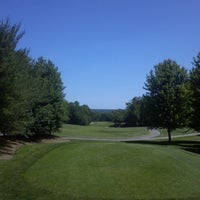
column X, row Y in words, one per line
column 32, row 100
column 195, row 93
column 80, row 115
column 167, row 96
column 133, row 115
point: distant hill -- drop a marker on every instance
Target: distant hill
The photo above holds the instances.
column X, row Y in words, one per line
column 103, row 110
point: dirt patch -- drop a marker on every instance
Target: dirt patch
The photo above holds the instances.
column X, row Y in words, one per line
column 8, row 147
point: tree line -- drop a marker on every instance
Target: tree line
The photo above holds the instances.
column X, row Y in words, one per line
column 83, row 115
column 32, row 99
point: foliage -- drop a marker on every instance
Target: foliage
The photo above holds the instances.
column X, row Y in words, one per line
column 32, row 99
column 47, row 104
column 167, row 96
column 118, row 116
column 102, row 115
column 14, row 66
column 133, row 112
column 79, row 115
column 195, row 88
column 83, row 115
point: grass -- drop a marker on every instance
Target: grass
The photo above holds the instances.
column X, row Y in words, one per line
column 178, row 131
column 106, row 130
column 102, row 170
column 88, row 170
column 101, row 130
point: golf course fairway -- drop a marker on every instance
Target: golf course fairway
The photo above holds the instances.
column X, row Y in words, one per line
column 101, row 170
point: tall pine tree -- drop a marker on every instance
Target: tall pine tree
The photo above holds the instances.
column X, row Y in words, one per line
column 13, row 76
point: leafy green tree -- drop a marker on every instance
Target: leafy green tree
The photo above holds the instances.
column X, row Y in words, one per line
column 195, row 89
column 14, row 66
column 133, row 112
column 87, row 114
column 74, row 113
column 106, row 116
column 95, row 115
column 47, row 104
column 118, row 116
column 18, row 108
column 167, row 96
column 32, row 99
column 79, row 115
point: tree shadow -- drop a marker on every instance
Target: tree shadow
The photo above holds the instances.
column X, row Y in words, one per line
column 8, row 144
column 118, row 125
column 187, row 145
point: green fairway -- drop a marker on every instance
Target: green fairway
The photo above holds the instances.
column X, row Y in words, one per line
column 101, row 130
column 101, row 170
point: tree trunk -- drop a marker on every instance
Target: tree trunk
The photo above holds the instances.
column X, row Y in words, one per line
column 169, row 135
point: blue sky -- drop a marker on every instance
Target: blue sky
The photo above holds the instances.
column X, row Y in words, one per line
column 105, row 48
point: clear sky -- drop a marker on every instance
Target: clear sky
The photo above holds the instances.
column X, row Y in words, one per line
column 105, row 48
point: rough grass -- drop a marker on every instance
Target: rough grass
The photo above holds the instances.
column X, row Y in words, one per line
column 101, row 130
column 102, row 170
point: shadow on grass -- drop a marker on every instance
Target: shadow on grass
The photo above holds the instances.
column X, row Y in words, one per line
column 8, row 143
column 188, row 145
column 118, row 125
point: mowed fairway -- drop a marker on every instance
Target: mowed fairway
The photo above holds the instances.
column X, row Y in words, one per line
column 101, row 130
column 102, row 170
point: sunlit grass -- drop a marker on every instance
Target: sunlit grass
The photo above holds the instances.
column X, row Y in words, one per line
column 101, row 170
column 83, row 170
column 101, row 130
